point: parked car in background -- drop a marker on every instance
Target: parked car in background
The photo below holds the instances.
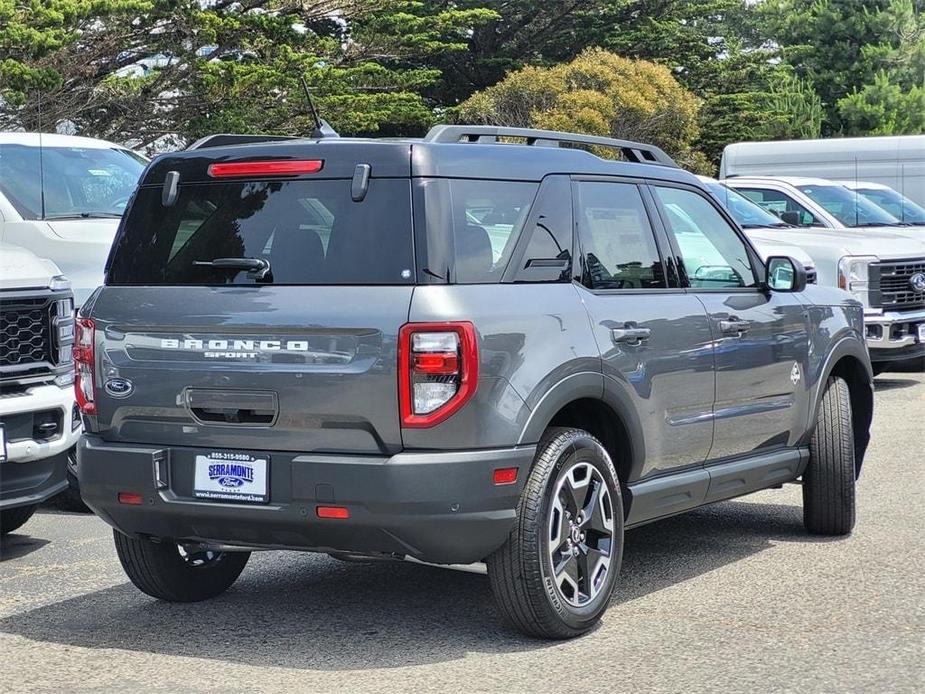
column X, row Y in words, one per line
column 879, row 267
column 62, row 197
column 752, row 219
column 39, row 422
column 905, row 210
column 817, row 202
column 455, row 350
column 897, row 162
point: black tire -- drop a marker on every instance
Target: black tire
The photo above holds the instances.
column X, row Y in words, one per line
column 14, row 518
column 526, row 587
column 160, row 570
column 829, row 479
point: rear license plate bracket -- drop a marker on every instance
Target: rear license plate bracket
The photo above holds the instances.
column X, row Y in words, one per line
column 232, row 476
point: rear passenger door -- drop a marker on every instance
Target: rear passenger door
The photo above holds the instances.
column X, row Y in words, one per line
column 760, row 336
column 654, row 339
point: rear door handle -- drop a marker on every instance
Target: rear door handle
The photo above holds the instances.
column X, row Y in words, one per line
column 631, row 336
column 734, row 326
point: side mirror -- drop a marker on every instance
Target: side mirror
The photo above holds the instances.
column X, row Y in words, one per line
column 784, row 274
column 791, row 217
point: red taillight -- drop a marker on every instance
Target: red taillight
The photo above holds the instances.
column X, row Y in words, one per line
column 505, row 475
column 287, row 167
column 83, row 365
column 438, row 364
column 438, row 370
column 131, row 499
column 337, row 512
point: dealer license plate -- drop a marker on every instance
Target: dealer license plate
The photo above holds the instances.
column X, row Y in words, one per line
column 922, row 333
column 231, row 476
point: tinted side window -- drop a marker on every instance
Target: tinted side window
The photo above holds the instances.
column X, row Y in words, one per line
column 472, row 227
column 777, row 203
column 712, row 254
column 548, row 255
column 617, row 240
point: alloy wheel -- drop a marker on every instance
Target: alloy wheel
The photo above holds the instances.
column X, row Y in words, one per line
column 580, row 534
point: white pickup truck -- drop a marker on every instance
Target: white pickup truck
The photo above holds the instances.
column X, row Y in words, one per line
column 39, row 423
column 62, row 198
column 883, row 268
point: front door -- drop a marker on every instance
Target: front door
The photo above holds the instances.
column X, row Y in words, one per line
column 655, row 339
column 760, row 336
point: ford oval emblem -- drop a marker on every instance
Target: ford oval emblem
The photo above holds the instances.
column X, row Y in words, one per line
column 119, row 387
column 918, row 282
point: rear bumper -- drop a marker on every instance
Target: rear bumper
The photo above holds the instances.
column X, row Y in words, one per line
column 435, row 506
column 26, row 483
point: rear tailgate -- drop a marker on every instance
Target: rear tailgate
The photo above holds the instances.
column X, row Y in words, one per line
column 299, row 356
column 271, row 368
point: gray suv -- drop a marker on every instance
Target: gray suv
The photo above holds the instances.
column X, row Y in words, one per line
column 490, row 345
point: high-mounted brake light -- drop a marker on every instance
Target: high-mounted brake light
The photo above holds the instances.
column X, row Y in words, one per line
column 287, row 167
column 83, row 365
column 438, row 370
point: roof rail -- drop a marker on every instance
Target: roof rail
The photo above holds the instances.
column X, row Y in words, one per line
column 224, row 139
column 636, row 152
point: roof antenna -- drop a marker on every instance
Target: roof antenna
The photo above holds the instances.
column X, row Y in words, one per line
column 322, row 127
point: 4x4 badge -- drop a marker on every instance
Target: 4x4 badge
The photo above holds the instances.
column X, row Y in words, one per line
column 795, row 374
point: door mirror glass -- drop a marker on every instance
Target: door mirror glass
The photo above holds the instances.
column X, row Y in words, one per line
column 785, row 274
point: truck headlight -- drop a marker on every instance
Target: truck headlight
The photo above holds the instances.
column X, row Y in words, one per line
column 854, row 278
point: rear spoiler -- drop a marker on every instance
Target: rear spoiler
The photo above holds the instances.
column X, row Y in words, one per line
column 225, row 139
column 324, row 130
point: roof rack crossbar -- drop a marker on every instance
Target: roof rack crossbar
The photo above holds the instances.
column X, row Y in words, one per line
column 636, row 152
column 225, row 139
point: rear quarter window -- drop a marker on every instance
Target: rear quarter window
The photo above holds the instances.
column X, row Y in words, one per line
column 311, row 232
column 472, row 228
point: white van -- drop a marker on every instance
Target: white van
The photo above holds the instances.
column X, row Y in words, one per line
column 897, row 162
column 62, row 197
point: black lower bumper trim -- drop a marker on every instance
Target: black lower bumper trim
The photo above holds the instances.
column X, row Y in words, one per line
column 22, row 484
column 438, row 507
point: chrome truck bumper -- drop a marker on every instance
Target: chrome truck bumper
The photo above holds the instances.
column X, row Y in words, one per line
column 895, row 335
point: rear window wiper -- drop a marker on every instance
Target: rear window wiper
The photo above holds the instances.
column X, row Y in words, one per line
column 256, row 268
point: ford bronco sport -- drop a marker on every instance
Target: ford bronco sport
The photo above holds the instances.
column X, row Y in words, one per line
column 488, row 345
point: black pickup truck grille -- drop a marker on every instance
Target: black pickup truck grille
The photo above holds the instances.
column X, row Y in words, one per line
column 26, row 335
column 891, row 286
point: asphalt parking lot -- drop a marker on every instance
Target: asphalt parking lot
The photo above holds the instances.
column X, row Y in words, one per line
column 733, row 597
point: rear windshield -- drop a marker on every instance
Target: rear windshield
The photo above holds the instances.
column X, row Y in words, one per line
column 68, row 182
column 310, row 232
